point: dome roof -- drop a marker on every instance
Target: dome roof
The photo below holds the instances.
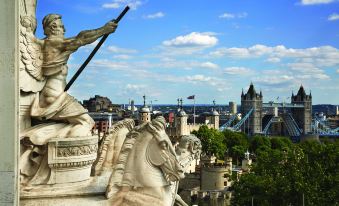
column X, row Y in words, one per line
column 145, row 109
column 181, row 113
column 215, row 113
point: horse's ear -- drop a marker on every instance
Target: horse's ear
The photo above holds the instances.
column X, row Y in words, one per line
column 153, row 154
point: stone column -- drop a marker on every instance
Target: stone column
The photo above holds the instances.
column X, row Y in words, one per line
column 9, row 96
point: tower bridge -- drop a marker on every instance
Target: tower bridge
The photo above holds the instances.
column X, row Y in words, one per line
column 294, row 120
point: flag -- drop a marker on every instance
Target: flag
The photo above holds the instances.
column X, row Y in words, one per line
column 171, row 117
column 191, row 97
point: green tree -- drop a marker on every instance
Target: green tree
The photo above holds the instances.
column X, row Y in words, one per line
column 235, row 138
column 259, row 141
column 280, row 143
column 237, row 144
column 212, row 141
column 237, row 152
column 283, row 176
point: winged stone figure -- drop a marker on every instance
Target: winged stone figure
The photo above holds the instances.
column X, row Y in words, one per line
column 43, row 72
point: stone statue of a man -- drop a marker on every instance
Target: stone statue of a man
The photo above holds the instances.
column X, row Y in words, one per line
column 53, row 103
column 43, row 70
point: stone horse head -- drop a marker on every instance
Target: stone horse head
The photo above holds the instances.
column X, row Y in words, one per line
column 188, row 149
column 146, row 167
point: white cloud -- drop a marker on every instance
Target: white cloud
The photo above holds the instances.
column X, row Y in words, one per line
column 308, row 71
column 193, row 43
column 259, row 50
column 337, row 71
column 227, row 16
column 187, row 65
column 320, row 56
column 280, row 80
column 237, row 71
column 273, row 60
column 194, row 39
column 273, row 72
column 304, row 68
column 122, row 56
column 111, row 6
column 115, row 64
column 333, row 17
column 320, row 76
column 313, row 2
column 135, row 86
column 233, row 16
column 132, row 89
column 231, row 52
column 293, row 74
column 209, row 65
column 171, row 52
column 217, row 83
column 154, row 16
column 116, row 49
column 198, row 78
column 167, row 59
column 116, row 4
column 105, row 63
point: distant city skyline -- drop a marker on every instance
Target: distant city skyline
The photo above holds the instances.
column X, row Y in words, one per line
column 211, row 49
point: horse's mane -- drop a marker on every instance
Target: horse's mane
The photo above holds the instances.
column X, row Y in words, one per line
column 126, row 123
column 119, row 169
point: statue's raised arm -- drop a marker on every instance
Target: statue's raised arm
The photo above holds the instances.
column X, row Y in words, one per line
column 89, row 36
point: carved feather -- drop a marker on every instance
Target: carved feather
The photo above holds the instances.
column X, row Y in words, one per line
column 31, row 75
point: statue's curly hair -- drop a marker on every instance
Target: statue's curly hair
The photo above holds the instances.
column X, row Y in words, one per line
column 47, row 21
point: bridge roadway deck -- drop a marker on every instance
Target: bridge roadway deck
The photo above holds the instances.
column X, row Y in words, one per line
column 282, row 105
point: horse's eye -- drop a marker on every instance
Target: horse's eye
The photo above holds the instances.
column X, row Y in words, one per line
column 163, row 145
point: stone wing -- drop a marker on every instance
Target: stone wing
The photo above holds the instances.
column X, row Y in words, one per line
column 31, row 75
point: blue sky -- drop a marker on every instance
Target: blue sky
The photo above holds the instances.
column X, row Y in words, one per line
column 210, row 48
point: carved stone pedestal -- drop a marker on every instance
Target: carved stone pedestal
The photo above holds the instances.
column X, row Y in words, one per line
column 86, row 193
column 70, row 159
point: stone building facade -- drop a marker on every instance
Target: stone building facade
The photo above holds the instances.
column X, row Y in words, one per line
column 100, row 103
column 233, row 107
column 181, row 127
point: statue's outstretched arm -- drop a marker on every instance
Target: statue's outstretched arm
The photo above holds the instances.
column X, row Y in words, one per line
column 89, row 36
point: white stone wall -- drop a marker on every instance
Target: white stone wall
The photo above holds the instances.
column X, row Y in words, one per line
column 192, row 127
column 9, row 95
column 212, row 178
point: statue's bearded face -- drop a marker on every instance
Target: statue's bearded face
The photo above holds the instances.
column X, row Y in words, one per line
column 56, row 28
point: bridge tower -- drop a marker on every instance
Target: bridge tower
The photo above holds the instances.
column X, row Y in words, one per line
column 248, row 101
column 303, row 116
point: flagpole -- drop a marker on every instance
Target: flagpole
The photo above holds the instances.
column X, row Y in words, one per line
column 194, row 110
